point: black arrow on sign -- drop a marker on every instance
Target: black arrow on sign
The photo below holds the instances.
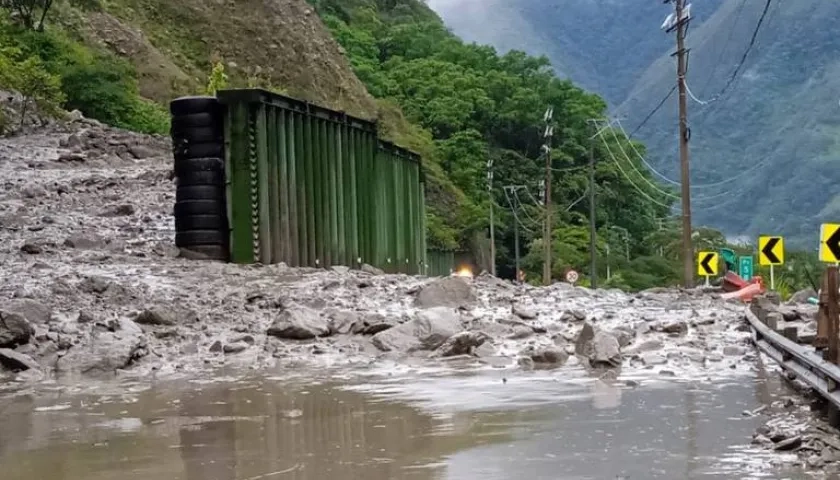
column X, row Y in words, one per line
column 709, row 256
column 833, row 243
column 768, row 250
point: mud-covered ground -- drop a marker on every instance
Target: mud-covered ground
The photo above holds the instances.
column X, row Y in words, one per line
column 92, row 285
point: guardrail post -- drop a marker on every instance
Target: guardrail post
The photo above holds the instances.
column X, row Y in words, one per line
column 832, row 311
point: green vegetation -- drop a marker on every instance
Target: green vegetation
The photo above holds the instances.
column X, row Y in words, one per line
column 55, row 71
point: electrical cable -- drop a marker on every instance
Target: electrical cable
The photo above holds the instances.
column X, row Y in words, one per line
column 743, row 60
column 515, row 216
column 656, row 109
column 629, row 180
column 522, row 205
column 674, row 182
column 738, row 12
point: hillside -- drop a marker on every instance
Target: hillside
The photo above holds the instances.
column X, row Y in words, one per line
column 774, row 126
column 280, row 42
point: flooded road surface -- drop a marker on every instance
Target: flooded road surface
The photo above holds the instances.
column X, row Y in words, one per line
column 537, row 425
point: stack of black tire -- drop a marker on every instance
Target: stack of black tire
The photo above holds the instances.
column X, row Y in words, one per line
column 201, row 223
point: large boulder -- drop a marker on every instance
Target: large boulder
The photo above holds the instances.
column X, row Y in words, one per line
column 454, row 292
column 428, row 330
column 17, row 361
column 33, row 311
column 14, row 330
column 299, row 323
column 599, row 347
column 106, row 350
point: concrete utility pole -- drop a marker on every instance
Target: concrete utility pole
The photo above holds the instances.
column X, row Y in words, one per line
column 593, row 271
column 548, row 133
column 682, row 19
column 492, row 222
column 514, row 208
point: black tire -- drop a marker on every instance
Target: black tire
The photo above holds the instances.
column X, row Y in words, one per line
column 200, row 192
column 206, row 177
column 189, row 105
column 195, row 120
column 198, row 150
column 200, row 237
column 188, row 166
column 189, row 208
column 197, row 135
column 201, row 222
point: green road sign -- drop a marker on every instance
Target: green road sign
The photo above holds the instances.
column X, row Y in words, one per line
column 745, row 267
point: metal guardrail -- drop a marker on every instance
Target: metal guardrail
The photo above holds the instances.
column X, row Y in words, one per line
column 803, row 361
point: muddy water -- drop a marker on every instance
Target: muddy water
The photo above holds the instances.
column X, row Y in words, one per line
column 433, row 426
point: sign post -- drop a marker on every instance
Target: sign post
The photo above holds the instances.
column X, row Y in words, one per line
column 771, row 252
column 707, row 264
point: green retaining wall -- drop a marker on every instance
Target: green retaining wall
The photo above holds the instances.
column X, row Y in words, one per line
column 313, row 187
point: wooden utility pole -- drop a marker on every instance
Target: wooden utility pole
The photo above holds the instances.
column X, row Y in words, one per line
column 688, row 249
column 593, row 271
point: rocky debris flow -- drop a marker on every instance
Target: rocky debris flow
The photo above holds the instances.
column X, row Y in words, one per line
column 93, row 284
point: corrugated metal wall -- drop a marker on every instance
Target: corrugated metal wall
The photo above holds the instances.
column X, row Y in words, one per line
column 440, row 262
column 313, row 187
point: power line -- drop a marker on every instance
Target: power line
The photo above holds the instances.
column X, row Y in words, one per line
column 725, row 44
column 674, row 182
column 743, row 60
column 729, row 82
column 629, row 180
column 656, row 109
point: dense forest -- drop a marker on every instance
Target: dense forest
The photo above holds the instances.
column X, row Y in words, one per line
column 465, row 106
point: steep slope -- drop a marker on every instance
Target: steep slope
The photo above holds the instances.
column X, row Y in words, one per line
column 276, row 42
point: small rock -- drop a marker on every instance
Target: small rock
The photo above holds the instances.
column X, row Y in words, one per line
column 788, row 444
column 216, row 347
column 89, row 242
column 524, row 313
column 85, row 317
column 462, row 344
column 95, row 284
column 236, row 347
column 573, row 316
column 31, row 249
column 141, row 152
column 122, row 210
column 156, row 316
column 733, row 351
column 299, row 323
column 372, row 270
column 679, row 327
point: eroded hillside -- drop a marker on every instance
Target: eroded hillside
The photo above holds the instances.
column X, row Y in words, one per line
column 277, row 43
